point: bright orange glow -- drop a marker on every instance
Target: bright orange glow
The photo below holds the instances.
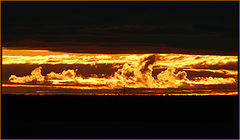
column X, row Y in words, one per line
column 161, row 60
column 35, row 76
column 133, row 70
column 136, row 75
column 165, row 79
column 76, row 90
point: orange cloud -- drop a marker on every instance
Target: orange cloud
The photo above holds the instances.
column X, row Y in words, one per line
column 35, row 76
column 134, row 74
column 162, row 60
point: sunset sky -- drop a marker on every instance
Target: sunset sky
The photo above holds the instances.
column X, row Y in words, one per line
column 178, row 48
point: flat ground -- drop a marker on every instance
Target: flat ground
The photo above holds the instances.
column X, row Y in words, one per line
column 59, row 116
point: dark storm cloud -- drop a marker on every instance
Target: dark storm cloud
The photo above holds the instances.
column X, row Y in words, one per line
column 122, row 27
column 109, row 47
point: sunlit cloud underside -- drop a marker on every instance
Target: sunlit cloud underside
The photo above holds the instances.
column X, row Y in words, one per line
column 133, row 71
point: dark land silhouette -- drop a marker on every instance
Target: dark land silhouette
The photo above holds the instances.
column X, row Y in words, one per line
column 63, row 116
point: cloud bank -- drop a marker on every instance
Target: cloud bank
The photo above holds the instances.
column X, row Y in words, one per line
column 133, row 74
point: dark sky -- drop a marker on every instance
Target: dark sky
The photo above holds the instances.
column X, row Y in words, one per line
column 122, row 27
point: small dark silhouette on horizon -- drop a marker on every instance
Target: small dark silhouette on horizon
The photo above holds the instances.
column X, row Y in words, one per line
column 124, row 91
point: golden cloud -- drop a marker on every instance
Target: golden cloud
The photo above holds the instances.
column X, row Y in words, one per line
column 136, row 73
